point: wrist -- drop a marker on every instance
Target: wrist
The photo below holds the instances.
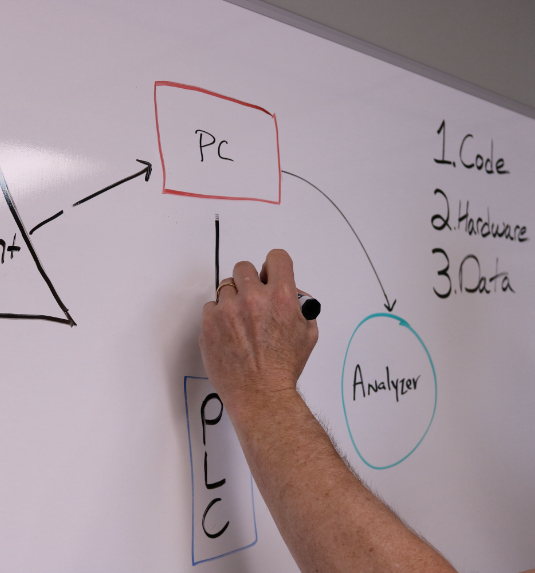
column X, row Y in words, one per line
column 256, row 405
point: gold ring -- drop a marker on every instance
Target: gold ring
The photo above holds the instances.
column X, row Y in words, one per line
column 221, row 286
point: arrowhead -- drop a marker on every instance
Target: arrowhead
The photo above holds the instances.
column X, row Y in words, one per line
column 390, row 307
column 148, row 170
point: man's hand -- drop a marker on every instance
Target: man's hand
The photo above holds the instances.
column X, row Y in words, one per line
column 255, row 343
column 255, row 340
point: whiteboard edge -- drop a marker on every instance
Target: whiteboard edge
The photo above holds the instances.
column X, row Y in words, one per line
column 302, row 23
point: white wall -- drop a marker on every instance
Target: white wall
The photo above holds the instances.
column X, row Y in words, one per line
column 489, row 43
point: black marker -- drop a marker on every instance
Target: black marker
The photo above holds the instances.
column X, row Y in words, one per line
column 310, row 307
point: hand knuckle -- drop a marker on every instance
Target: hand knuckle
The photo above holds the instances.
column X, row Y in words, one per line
column 254, row 301
column 230, row 313
column 286, row 296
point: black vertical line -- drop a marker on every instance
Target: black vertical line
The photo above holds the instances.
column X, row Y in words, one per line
column 216, row 251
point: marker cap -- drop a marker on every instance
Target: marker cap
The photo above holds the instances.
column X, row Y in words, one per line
column 310, row 307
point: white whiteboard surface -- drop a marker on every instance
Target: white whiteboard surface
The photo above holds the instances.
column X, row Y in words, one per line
column 98, row 434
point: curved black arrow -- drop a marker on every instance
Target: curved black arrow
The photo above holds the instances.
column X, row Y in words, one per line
column 388, row 306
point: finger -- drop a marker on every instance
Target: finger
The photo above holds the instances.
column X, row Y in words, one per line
column 208, row 306
column 278, row 269
column 207, row 309
column 227, row 290
column 245, row 276
column 303, row 292
column 313, row 333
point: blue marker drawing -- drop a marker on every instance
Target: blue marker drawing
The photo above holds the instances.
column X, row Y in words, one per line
column 406, row 325
column 215, row 453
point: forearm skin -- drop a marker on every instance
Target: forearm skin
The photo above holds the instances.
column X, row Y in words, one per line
column 330, row 521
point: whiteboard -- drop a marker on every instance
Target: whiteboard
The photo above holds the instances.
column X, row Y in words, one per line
column 423, row 370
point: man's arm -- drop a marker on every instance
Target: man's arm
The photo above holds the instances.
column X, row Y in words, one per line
column 255, row 343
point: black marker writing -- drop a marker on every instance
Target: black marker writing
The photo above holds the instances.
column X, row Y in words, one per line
column 207, row 421
column 471, row 277
column 45, row 222
column 216, row 484
column 10, row 249
column 203, row 145
column 469, row 159
column 146, row 171
column 442, row 129
column 219, row 151
column 211, row 422
column 222, row 530
column 400, row 386
column 481, row 282
column 477, row 226
column 216, row 252
column 487, row 228
column 25, row 236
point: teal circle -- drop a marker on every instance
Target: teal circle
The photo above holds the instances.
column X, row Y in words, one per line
column 404, row 323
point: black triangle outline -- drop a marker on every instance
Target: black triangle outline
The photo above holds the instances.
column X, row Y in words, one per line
column 18, row 220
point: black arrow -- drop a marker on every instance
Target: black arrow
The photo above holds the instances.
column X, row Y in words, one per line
column 388, row 306
column 147, row 171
